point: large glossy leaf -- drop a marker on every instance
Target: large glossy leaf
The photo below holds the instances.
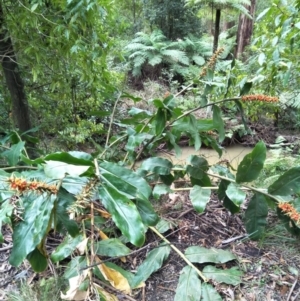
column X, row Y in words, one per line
column 202, row 255
column 74, row 158
column 189, row 285
column 228, row 276
column 111, row 247
column 125, row 181
column 198, row 166
column 30, row 232
column 136, row 140
column 160, row 121
column 229, row 204
column 235, row 194
column 37, row 260
column 151, row 264
column 61, row 213
column 209, row 293
column 199, row 198
column 147, row 213
column 256, row 216
column 66, row 248
column 74, row 185
column 58, row 169
column 252, row 164
column 124, row 214
column 156, row 165
column 287, row 184
column 218, row 122
column 13, row 154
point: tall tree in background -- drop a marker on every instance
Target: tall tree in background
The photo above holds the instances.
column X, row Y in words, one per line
column 14, row 82
column 173, row 18
column 218, row 6
column 245, row 29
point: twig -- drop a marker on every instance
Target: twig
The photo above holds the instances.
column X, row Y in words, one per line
column 180, row 254
column 292, row 289
column 6, row 248
column 229, row 240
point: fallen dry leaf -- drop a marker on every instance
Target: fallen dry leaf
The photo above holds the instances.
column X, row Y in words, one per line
column 74, row 293
column 81, row 247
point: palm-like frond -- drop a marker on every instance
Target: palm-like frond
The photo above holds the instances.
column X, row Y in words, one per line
column 176, row 56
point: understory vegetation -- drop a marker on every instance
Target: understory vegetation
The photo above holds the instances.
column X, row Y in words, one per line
column 89, row 97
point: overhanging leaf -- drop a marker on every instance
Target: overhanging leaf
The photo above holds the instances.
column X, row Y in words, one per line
column 235, row 194
column 125, row 181
column 256, row 216
column 151, row 264
column 202, row 255
column 124, row 214
column 199, row 198
column 252, row 164
column 58, row 169
column 159, row 166
column 189, row 285
column 287, row 184
column 218, row 122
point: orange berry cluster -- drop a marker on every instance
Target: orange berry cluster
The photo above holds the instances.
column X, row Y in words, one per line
column 259, row 97
column 212, row 61
column 22, row 185
column 290, row 211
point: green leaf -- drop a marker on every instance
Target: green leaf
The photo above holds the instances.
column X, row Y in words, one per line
column 5, row 215
column 58, row 169
column 74, row 185
column 228, row 204
column 151, row 264
column 203, row 255
column 261, row 58
column 235, row 194
column 160, row 121
column 61, row 213
column 125, row 181
column 256, row 216
column 74, row 158
column 189, row 285
column 252, row 164
column 159, row 166
column 124, row 214
column 74, row 266
column 37, row 260
column 218, row 122
column 199, row 198
column 164, row 225
column 287, row 184
column 160, row 189
column 209, row 293
column 241, row 110
column 13, row 154
column 246, row 88
column 229, row 276
column 111, row 247
column 147, row 213
column 29, row 232
column 66, row 248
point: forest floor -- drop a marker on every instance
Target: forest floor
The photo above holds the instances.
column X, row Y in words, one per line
column 270, row 266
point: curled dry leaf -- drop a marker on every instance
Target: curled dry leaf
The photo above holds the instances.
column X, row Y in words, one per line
column 81, row 247
column 74, row 293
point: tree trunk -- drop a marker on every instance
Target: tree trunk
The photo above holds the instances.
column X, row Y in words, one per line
column 217, row 29
column 245, row 30
column 15, row 85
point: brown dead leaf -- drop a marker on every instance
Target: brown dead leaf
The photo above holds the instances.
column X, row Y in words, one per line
column 102, row 235
column 103, row 213
column 116, row 279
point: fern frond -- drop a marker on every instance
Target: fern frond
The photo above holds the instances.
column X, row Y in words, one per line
column 155, row 60
column 176, row 56
column 199, row 60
